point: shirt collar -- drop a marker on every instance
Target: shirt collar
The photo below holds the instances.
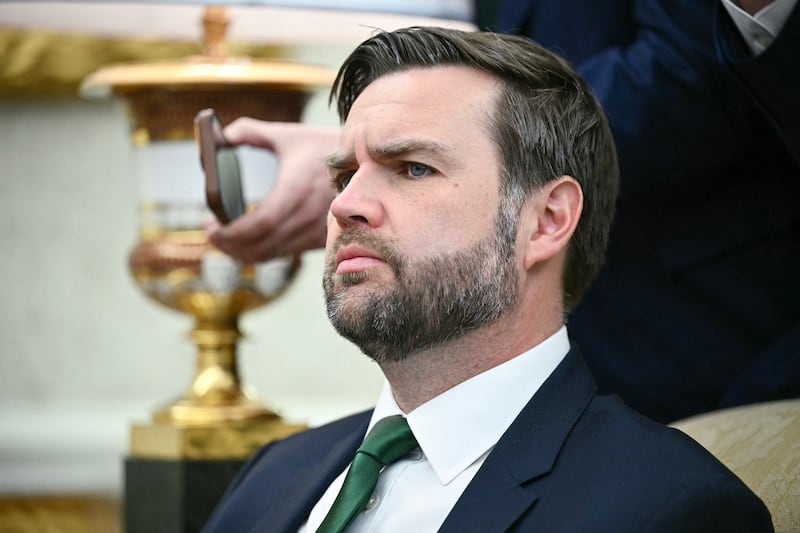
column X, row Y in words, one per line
column 761, row 29
column 460, row 425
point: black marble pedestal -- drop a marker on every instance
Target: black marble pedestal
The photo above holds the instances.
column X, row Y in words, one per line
column 174, row 496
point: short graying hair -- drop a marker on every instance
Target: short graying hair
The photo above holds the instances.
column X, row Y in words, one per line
column 546, row 124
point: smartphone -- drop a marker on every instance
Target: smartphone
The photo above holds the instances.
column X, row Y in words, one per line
column 220, row 163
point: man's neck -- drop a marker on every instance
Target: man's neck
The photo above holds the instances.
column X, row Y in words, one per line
column 427, row 374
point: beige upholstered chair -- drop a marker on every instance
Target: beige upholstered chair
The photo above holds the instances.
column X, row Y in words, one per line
column 761, row 444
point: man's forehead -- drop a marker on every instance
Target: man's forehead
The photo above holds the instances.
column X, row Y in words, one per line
column 437, row 112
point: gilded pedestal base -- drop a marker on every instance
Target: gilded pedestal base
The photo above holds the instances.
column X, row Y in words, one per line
column 175, row 476
column 239, row 441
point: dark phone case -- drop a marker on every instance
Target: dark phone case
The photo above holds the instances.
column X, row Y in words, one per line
column 224, row 194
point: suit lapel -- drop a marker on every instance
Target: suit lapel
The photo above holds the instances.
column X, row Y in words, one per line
column 303, row 491
column 505, row 487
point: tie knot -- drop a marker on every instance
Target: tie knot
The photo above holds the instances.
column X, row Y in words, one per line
column 389, row 440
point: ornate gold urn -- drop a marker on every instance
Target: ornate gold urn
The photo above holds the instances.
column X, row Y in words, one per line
column 173, row 262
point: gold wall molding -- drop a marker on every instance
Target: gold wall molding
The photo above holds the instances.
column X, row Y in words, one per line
column 48, row 64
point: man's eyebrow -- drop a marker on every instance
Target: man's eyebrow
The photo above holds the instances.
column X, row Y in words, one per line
column 392, row 150
column 407, row 146
column 340, row 161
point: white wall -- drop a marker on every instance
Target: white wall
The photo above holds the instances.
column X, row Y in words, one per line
column 83, row 353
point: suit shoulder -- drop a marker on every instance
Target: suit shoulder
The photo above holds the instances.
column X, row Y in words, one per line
column 615, row 429
column 281, row 482
column 652, row 466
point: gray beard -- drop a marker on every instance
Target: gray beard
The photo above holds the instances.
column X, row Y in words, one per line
column 432, row 302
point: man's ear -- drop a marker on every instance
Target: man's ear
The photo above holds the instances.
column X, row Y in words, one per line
column 556, row 209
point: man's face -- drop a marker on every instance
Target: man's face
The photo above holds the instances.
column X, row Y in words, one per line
column 416, row 254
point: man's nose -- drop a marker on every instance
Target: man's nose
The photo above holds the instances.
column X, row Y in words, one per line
column 359, row 202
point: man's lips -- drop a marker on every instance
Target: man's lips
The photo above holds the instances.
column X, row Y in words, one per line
column 352, row 258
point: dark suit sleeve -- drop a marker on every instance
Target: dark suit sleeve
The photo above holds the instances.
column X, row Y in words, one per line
column 654, row 67
column 720, row 506
column 663, row 93
column 772, row 79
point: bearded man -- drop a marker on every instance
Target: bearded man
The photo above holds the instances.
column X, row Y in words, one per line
column 476, row 177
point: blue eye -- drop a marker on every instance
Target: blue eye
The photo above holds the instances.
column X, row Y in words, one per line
column 418, row 170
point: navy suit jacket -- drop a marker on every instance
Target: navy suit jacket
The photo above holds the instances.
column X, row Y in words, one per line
column 697, row 307
column 571, row 461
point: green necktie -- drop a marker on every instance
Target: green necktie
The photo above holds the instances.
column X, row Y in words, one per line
column 389, row 440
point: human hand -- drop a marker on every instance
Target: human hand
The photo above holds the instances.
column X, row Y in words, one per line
column 291, row 219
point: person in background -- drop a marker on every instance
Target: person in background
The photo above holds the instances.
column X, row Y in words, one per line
column 696, row 307
column 476, row 179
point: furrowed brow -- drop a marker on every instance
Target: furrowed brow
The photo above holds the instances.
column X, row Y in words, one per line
column 393, row 150
column 401, row 148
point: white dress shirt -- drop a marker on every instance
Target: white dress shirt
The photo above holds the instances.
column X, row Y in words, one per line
column 455, row 431
column 761, row 29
